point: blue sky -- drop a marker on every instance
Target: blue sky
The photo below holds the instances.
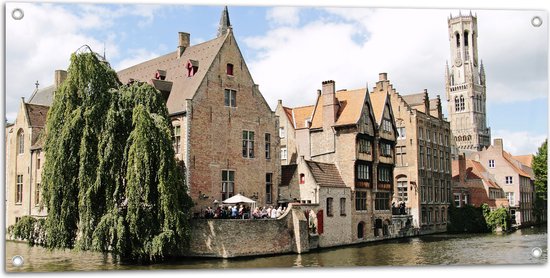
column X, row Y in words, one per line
column 291, row 50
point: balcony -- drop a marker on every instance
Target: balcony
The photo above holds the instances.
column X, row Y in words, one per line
column 400, row 211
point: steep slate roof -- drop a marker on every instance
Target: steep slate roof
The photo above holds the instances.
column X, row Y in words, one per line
column 43, row 96
column 378, row 101
column 325, row 174
column 287, row 172
column 349, row 111
column 301, row 114
column 183, row 87
column 36, row 114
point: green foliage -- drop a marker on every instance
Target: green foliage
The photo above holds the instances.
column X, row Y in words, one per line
column 466, row 219
column 498, row 218
column 29, row 229
column 540, row 168
column 111, row 181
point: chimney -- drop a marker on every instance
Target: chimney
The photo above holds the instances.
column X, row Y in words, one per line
column 330, row 106
column 461, row 168
column 183, row 42
column 60, row 76
column 497, row 142
column 382, row 76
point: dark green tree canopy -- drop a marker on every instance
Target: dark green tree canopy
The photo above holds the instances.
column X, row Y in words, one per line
column 110, row 179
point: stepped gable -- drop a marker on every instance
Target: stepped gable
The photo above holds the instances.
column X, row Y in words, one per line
column 349, row 111
column 325, row 174
column 183, row 87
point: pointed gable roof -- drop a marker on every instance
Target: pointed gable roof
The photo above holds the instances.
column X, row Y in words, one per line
column 512, row 162
column 183, row 87
column 350, row 108
column 526, row 160
column 379, row 102
column 325, row 174
column 474, row 171
column 43, row 96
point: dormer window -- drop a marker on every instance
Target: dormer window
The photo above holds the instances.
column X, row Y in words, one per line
column 160, row 75
column 229, row 69
column 192, row 68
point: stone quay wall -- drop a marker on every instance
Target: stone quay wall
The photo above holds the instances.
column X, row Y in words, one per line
column 227, row 238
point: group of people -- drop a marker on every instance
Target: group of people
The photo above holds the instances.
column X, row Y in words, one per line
column 242, row 212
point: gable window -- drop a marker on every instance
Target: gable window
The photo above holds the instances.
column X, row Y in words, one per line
column 329, row 206
column 401, row 133
column 342, row 206
column 283, row 153
column 19, row 190
column 192, row 68
column 365, row 146
column 267, row 146
column 176, row 139
column 20, row 142
column 363, row 172
column 302, row 178
column 508, row 179
column 385, row 149
column 230, row 98
column 229, row 69
column 228, row 184
column 382, row 201
column 248, row 144
column 386, row 125
column 361, row 200
column 268, row 188
column 491, row 163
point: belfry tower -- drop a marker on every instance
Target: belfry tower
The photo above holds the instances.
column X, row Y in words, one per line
column 465, row 86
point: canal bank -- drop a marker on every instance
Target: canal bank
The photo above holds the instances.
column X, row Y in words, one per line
column 438, row 249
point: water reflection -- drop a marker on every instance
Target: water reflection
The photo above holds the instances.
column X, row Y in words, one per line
column 443, row 249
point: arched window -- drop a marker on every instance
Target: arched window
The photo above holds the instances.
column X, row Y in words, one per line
column 461, row 103
column 457, row 105
column 360, row 230
column 466, row 38
column 457, row 35
column 20, row 142
column 302, row 178
column 469, row 137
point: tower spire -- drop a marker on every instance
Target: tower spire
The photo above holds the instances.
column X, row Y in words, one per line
column 224, row 23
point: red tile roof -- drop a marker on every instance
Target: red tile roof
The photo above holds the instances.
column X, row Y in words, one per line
column 350, row 108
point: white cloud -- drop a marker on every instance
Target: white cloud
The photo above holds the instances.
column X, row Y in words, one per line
column 44, row 39
column 520, row 142
column 284, row 16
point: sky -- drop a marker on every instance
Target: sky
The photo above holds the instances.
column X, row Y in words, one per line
column 291, row 50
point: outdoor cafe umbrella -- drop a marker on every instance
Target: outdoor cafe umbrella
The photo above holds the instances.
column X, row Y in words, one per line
column 240, row 199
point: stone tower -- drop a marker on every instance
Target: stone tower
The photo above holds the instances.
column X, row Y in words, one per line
column 465, row 86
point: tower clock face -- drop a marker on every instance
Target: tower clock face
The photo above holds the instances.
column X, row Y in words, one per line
column 458, row 62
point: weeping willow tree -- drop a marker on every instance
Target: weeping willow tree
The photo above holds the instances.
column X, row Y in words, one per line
column 111, row 181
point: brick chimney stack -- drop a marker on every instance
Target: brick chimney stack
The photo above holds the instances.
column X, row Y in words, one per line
column 330, row 105
column 184, row 40
column 497, row 142
column 461, row 168
column 60, row 76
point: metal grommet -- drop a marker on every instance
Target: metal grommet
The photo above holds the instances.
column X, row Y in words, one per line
column 17, row 260
column 536, row 252
column 536, row 21
column 17, row 14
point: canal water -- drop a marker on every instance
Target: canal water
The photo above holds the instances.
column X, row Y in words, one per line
column 440, row 249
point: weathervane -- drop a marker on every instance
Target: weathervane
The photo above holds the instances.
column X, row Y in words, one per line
column 36, row 84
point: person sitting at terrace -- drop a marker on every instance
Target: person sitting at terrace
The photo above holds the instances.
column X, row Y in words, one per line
column 256, row 214
column 234, row 212
column 274, row 213
column 264, row 213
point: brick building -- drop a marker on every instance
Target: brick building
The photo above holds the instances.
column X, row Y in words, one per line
column 474, row 185
column 515, row 178
column 354, row 132
column 224, row 130
column 423, row 154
